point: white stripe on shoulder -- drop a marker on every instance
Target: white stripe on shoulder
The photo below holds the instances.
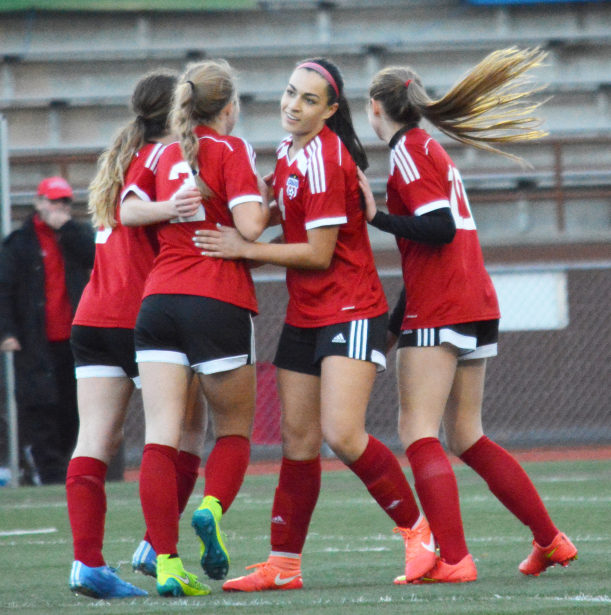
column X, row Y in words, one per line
column 252, row 157
column 216, row 141
column 153, row 159
column 283, row 148
column 316, row 167
column 405, row 163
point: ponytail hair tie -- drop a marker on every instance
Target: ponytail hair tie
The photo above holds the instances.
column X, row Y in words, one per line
column 407, row 83
column 191, row 84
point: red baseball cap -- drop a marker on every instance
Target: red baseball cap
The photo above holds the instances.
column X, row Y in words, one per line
column 55, row 188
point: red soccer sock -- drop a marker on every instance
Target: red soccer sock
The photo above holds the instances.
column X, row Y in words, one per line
column 381, row 473
column 225, row 469
column 187, row 466
column 438, row 493
column 86, row 499
column 158, row 496
column 508, row 481
column 294, row 503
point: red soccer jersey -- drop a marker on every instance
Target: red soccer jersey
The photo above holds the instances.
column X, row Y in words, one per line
column 123, row 256
column 319, row 187
column 445, row 284
column 227, row 165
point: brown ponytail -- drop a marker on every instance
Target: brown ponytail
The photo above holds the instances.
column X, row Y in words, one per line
column 151, row 103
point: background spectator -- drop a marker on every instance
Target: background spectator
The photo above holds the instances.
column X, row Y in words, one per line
column 44, row 266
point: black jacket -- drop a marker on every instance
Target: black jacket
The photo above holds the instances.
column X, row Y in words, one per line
column 22, row 300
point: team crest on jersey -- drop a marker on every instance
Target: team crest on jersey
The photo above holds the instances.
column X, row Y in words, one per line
column 292, row 185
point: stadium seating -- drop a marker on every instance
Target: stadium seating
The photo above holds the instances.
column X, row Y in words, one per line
column 65, row 94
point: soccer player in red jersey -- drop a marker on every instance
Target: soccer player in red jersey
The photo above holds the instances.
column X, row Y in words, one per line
column 333, row 340
column 451, row 314
column 196, row 316
column 102, row 332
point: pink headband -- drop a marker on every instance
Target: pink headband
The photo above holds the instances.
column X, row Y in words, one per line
column 323, row 72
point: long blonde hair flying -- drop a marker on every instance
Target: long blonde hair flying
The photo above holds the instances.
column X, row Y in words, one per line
column 492, row 104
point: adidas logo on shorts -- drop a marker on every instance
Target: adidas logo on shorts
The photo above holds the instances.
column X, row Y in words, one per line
column 339, row 339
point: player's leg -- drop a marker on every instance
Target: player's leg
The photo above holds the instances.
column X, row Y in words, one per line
column 298, row 486
column 144, row 559
column 425, row 376
column 231, row 400
column 224, row 360
column 504, row 476
column 102, row 406
column 346, row 386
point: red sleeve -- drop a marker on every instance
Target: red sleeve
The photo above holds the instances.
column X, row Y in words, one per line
column 140, row 176
column 239, row 176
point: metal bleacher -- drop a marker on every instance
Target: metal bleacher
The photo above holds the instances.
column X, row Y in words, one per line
column 66, row 79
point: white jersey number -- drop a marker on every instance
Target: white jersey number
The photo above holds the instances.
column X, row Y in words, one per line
column 459, row 203
column 102, row 234
column 182, row 169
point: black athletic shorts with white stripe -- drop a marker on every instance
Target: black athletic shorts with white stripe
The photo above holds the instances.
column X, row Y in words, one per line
column 209, row 335
column 104, row 352
column 473, row 340
column 302, row 349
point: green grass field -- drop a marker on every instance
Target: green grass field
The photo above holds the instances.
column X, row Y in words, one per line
column 351, row 555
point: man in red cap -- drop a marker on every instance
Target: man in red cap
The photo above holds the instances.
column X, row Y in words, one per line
column 44, row 266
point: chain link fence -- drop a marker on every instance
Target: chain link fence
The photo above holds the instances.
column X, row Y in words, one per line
column 549, row 385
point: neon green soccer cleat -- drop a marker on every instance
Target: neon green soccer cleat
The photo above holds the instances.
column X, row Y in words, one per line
column 174, row 580
column 213, row 554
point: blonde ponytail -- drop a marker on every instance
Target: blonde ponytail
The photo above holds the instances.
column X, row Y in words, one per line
column 491, row 104
column 203, row 91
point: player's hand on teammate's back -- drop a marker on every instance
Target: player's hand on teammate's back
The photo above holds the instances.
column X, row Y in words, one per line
column 187, row 202
column 370, row 204
column 226, row 242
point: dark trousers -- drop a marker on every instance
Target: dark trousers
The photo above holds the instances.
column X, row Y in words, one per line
column 47, row 431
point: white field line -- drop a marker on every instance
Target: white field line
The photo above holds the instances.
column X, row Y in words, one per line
column 43, row 530
column 245, row 501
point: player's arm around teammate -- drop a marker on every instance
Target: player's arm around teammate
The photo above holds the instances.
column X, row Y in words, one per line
column 196, row 316
column 333, row 340
column 450, row 323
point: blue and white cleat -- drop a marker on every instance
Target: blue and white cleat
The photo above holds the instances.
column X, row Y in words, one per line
column 101, row 582
column 144, row 559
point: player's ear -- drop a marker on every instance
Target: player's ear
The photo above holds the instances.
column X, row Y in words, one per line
column 376, row 107
column 331, row 109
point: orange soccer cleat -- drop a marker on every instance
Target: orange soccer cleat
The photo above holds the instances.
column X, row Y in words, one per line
column 462, row 572
column 419, row 551
column 560, row 551
column 266, row 577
